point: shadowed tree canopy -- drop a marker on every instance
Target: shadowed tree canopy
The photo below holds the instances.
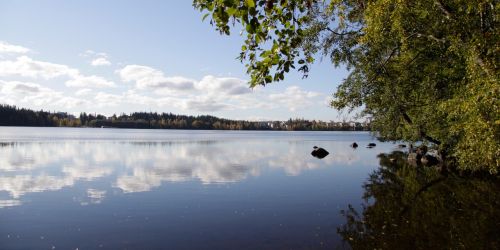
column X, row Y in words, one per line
column 422, row 70
column 418, row 208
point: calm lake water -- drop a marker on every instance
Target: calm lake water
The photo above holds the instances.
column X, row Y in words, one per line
column 69, row 188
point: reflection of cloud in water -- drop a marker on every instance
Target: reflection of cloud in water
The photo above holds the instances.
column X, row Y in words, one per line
column 20, row 184
column 9, row 203
column 214, row 164
column 37, row 167
column 294, row 161
column 347, row 157
column 27, row 156
column 96, row 196
column 297, row 160
column 92, row 196
column 86, row 173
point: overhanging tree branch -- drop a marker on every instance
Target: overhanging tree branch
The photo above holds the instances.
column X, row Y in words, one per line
column 420, row 132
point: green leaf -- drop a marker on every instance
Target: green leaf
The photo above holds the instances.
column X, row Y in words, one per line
column 250, row 29
column 204, row 17
column 250, row 3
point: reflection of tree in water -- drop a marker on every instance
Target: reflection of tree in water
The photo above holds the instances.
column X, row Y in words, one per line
column 419, row 208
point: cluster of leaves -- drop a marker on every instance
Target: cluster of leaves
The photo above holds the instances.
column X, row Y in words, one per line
column 273, row 33
column 424, row 70
column 419, row 208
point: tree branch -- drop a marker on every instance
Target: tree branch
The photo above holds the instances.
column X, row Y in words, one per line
column 420, row 132
column 425, row 136
column 432, row 37
column 443, row 9
column 342, row 34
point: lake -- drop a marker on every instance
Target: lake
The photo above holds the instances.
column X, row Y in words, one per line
column 87, row 188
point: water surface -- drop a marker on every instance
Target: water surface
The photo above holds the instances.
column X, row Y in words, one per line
column 84, row 188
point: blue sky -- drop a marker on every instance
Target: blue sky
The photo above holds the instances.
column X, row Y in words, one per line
column 123, row 56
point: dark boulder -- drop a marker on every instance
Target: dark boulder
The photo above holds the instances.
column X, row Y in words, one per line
column 402, row 146
column 429, row 160
column 354, row 145
column 422, row 150
column 371, row 145
column 319, row 153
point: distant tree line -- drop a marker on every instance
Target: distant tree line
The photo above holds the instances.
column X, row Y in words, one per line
column 13, row 116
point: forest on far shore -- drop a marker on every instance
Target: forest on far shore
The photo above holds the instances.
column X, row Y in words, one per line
column 14, row 116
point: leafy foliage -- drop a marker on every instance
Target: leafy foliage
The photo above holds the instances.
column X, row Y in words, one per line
column 424, row 70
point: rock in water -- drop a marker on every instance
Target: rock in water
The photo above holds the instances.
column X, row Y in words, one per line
column 429, row 160
column 371, row 145
column 319, row 153
column 354, row 145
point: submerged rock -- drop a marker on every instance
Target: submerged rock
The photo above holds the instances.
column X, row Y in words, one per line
column 371, row 145
column 319, row 153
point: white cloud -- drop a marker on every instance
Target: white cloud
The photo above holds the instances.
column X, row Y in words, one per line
column 98, row 58
column 206, row 105
column 27, row 67
column 10, row 48
column 294, row 98
column 89, row 82
column 83, row 92
column 91, row 53
column 100, row 61
column 105, row 99
column 146, row 77
column 15, row 92
column 87, row 53
column 209, row 94
column 23, row 89
column 149, row 78
column 133, row 97
column 223, row 85
column 131, row 73
column 70, row 102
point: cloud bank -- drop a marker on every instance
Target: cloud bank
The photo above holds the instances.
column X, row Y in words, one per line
column 32, row 83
